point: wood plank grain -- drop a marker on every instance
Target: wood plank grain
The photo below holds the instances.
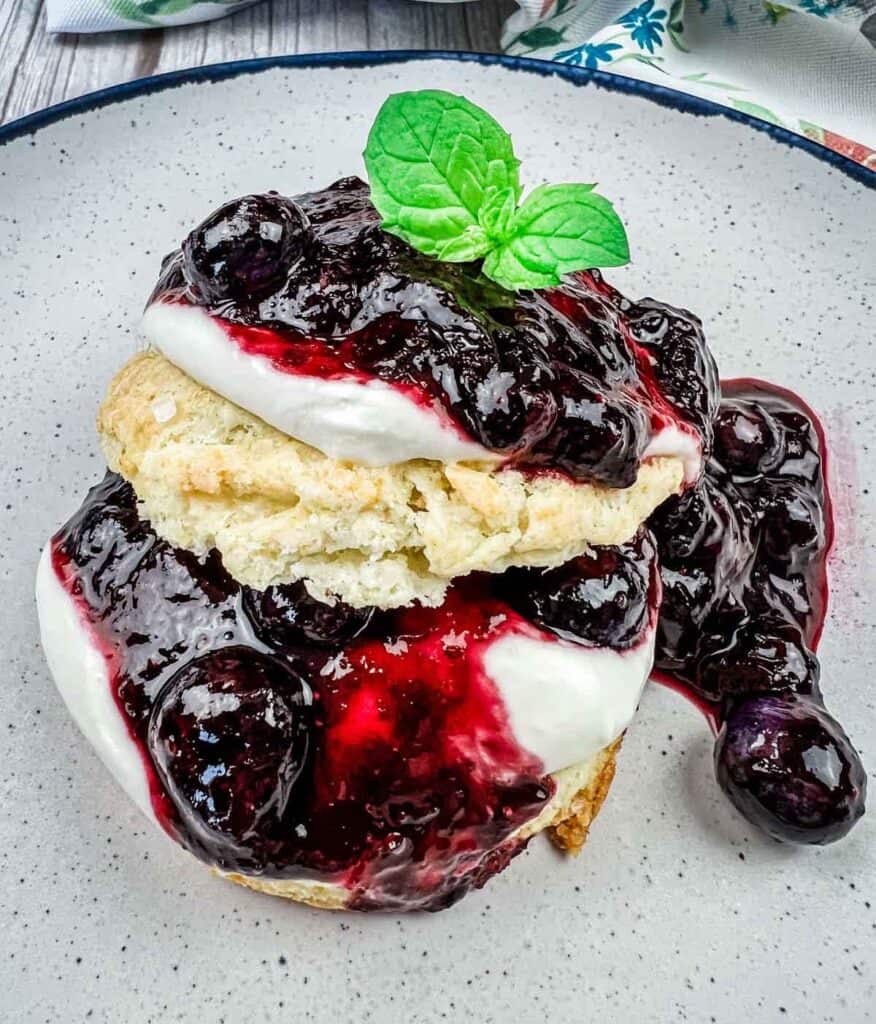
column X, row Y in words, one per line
column 38, row 69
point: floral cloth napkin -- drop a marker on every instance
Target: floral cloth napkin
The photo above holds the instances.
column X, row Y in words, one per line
column 808, row 65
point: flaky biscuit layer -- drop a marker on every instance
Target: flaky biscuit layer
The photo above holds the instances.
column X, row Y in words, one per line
column 209, row 474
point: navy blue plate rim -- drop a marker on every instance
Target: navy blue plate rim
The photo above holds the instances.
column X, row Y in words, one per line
column 31, row 123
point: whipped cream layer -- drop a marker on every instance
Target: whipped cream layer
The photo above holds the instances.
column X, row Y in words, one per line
column 566, row 701
column 82, row 676
column 369, row 422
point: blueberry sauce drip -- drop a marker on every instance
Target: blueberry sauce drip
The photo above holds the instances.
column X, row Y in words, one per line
column 743, row 560
column 287, row 738
column 743, row 554
column 575, row 379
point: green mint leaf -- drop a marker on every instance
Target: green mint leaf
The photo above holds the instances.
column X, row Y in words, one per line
column 431, row 157
column 557, row 230
column 445, row 179
column 472, row 244
column 497, row 213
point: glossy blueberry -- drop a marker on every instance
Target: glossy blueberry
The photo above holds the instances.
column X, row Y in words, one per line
column 689, row 594
column 245, row 249
column 600, row 599
column 760, row 656
column 747, row 438
column 515, row 402
column 229, row 737
column 706, row 524
column 801, row 442
column 524, row 415
column 793, row 523
column 584, row 333
column 681, row 523
column 598, row 435
column 683, row 364
column 789, row 767
column 287, row 616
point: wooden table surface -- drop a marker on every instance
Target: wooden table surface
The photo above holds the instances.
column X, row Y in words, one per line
column 37, row 69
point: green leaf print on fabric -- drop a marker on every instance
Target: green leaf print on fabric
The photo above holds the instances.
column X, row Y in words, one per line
column 812, row 131
column 164, row 7
column 150, row 12
column 775, row 12
column 675, row 25
column 130, row 10
column 822, row 8
column 756, row 110
column 683, row 40
column 541, row 35
column 702, row 78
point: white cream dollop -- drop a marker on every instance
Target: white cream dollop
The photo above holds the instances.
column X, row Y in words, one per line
column 565, row 701
column 370, row 423
column 682, row 444
column 82, row 677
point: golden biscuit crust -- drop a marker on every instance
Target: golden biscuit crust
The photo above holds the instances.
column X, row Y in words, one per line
column 209, row 474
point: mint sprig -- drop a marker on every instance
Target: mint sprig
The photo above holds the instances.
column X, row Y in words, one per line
column 444, row 178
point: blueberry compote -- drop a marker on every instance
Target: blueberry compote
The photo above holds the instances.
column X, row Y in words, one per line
column 293, row 739
column 575, row 379
column 743, row 564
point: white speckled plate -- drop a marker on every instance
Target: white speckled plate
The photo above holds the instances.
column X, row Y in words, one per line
column 677, row 909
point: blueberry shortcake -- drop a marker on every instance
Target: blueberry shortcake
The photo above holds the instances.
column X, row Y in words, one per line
column 404, row 504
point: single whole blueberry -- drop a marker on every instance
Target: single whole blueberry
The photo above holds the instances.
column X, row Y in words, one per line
column 599, row 435
column 789, row 767
column 579, row 327
column 600, row 599
column 287, row 616
column 245, row 249
column 229, row 737
column 761, row 655
column 793, row 523
column 747, row 438
column 684, row 366
column 689, row 594
column 514, row 404
column 708, row 524
column 683, row 522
